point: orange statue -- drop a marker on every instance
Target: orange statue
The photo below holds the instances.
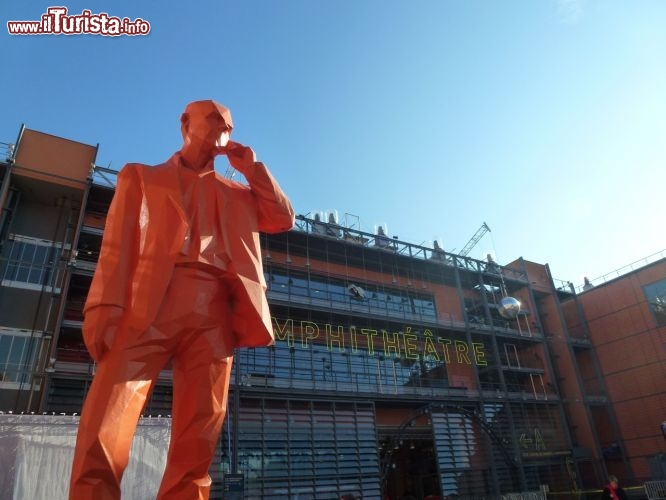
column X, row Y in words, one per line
column 179, row 280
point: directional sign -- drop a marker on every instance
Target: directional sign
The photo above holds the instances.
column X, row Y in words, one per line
column 524, row 441
column 533, row 440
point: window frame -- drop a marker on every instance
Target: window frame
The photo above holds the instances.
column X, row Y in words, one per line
column 42, row 257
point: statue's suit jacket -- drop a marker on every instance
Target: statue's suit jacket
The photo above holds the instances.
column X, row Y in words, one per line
column 145, row 230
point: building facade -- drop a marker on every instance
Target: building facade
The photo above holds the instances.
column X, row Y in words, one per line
column 624, row 321
column 396, row 368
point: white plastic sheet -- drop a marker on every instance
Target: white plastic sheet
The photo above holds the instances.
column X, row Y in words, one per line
column 36, row 457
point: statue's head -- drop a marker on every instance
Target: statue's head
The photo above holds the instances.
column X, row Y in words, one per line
column 206, row 126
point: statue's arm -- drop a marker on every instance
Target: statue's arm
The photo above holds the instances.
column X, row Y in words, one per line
column 274, row 208
column 111, row 284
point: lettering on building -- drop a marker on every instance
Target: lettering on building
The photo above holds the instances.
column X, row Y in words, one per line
column 408, row 344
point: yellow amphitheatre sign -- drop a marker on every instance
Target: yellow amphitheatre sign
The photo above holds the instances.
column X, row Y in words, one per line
column 399, row 344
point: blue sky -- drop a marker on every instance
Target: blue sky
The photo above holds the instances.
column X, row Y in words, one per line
column 544, row 118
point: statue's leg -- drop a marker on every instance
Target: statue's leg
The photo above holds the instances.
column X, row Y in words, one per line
column 199, row 407
column 109, row 418
column 201, row 369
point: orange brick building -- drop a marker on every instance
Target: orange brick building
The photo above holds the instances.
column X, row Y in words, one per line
column 394, row 369
column 625, row 322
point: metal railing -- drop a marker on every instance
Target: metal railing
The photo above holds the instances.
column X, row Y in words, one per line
column 655, row 490
column 7, row 151
column 625, row 270
column 395, row 246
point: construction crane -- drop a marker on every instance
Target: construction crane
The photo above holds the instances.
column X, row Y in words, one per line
column 475, row 239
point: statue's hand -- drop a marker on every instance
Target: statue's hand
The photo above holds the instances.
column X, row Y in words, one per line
column 242, row 158
column 100, row 327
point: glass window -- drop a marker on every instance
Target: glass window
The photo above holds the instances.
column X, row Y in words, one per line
column 279, row 282
column 17, row 355
column 5, row 346
column 40, row 254
column 29, row 262
column 336, row 291
column 656, row 297
column 28, row 252
column 299, row 286
column 15, row 251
